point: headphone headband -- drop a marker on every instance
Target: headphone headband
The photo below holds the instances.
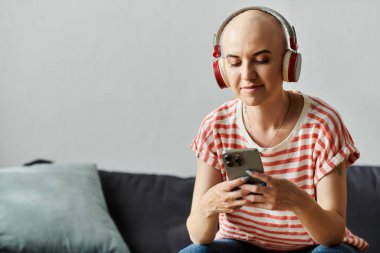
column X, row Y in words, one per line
column 290, row 29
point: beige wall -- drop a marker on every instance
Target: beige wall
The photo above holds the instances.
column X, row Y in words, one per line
column 125, row 84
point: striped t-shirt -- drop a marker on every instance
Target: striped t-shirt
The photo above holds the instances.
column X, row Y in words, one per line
column 317, row 144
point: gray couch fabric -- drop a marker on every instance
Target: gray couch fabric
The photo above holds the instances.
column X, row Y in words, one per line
column 151, row 210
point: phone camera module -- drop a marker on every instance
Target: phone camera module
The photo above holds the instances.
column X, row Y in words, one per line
column 238, row 160
column 230, row 164
column 227, row 158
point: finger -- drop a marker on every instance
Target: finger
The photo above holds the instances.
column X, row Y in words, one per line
column 255, row 198
column 232, row 195
column 230, row 185
column 260, row 205
column 255, row 188
column 260, row 175
column 239, row 203
column 231, row 206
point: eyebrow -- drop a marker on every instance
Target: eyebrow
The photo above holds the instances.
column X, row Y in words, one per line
column 265, row 51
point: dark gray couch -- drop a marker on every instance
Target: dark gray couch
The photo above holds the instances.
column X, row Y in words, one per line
column 151, row 210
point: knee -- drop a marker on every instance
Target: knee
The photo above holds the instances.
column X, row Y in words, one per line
column 197, row 248
column 341, row 248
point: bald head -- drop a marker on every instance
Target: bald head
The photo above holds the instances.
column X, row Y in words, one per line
column 254, row 26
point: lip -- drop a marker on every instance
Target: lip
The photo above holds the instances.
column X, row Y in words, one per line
column 251, row 88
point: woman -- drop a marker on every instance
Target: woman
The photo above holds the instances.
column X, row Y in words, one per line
column 305, row 149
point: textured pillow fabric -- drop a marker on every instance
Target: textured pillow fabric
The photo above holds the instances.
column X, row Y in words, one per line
column 55, row 208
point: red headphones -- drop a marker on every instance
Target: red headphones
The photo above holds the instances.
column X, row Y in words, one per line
column 291, row 65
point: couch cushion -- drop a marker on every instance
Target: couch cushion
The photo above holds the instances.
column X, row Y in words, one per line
column 363, row 204
column 149, row 209
column 55, row 208
column 166, row 196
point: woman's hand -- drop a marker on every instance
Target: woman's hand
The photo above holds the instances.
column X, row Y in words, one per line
column 225, row 197
column 278, row 194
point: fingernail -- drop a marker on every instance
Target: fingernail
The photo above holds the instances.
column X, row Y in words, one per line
column 249, row 172
column 246, row 178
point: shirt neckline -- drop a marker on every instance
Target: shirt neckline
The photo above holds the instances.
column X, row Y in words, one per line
column 292, row 134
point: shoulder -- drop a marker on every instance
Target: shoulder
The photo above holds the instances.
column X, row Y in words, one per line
column 206, row 143
column 324, row 115
column 333, row 143
column 223, row 114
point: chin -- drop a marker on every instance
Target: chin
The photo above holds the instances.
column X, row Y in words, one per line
column 250, row 101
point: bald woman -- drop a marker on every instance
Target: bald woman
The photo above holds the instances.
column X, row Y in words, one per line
column 305, row 150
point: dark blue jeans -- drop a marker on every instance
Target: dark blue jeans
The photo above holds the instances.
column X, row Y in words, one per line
column 234, row 246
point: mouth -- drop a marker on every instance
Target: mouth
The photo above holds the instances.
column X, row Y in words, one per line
column 252, row 88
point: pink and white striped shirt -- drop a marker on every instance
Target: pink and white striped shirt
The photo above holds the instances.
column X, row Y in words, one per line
column 318, row 143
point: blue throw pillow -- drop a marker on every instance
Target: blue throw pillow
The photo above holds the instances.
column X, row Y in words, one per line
column 55, row 208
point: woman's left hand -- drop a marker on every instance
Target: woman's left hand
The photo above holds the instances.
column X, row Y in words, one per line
column 278, row 194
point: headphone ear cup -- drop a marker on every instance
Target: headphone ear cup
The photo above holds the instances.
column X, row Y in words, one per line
column 220, row 75
column 291, row 66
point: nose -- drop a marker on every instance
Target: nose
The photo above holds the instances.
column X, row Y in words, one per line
column 248, row 71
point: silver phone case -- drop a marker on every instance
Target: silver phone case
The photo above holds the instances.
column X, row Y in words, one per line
column 248, row 159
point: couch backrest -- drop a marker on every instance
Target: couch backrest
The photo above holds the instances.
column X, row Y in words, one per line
column 363, row 204
column 151, row 210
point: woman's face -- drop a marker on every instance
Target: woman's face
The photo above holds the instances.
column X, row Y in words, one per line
column 253, row 45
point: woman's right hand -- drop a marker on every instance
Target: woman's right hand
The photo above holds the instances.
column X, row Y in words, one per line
column 224, row 197
column 212, row 195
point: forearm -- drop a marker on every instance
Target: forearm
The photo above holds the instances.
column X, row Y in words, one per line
column 202, row 227
column 211, row 197
column 324, row 226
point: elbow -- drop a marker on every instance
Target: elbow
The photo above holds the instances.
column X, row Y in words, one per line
column 331, row 243
column 335, row 235
column 198, row 237
column 335, row 239
column 200, row 241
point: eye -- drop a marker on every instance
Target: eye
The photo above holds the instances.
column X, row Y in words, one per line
column 234, row 64
column 261, row 61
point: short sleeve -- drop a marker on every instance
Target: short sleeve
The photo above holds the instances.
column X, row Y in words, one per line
column 204, row 143
column 335, row 146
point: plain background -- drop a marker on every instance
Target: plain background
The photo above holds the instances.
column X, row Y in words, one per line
column 125, row 84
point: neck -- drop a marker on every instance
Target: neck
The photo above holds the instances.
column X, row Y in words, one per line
column 271, row 115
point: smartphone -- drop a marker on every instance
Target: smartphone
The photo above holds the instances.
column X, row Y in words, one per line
column 237, row 161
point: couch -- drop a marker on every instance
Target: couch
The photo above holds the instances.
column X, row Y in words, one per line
column 150, row 211
column 82, row 205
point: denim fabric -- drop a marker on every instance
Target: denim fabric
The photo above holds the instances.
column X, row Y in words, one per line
column 234, row 246
column 341, row 248
column 222, row 246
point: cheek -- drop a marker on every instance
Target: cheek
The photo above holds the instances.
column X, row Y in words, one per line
column 235, row 84
column 234, row 87
column 232, row 74
column 272, row 72
column 277, row 68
